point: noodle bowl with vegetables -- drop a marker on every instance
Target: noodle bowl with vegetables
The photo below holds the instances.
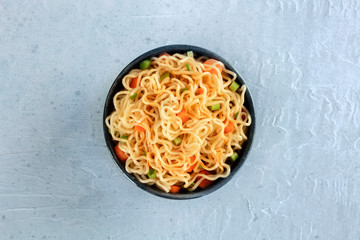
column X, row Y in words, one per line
column 179, row 121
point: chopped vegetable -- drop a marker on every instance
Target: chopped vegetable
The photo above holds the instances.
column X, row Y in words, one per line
column 236, row 115
column 183, row 90
column 200, row 167
column 200, row 91
column 205, row 182
column 229, row 128
column 120, row 154
column 188, row 67
column 139, row 128
column 190, row 54
column 152, row 173
column 215, row 107
column 234, row 157
column 211, row 62
column 164, row 54
column 234, row 86
column 191, row 168
column 123, row 137
column 145, row 64
column 133, row 96
column 177, row 141
column 174, row 189
column 183, row 115
column 143, row 153
column 164, row 75
column 133, row 82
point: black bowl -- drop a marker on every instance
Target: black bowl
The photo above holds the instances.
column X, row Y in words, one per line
column 109, row 108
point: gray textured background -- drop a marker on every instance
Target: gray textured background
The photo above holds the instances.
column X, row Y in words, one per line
column 301, row 62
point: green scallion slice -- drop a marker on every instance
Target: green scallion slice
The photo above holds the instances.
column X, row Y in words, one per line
column 215, row 107
column 133, row 96
column 188, row 67
column 190, row 54
column 143, row 153
column 234, row 157
column 164, row 75
column 183, row 90
column 236, row 115
column 234, row 86
column 124, row 137
column 152, row 173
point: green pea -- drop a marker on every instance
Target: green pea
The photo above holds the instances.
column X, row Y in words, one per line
column 177, row 141
column 145, row 64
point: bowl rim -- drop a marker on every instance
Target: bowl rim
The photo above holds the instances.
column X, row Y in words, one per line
column 171, row 49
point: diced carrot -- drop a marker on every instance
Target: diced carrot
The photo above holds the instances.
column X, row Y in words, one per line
column 191, row 168
column 200, row 91
column 183, row 115
column 229, row 128
column 164, row 54
column 174, row 189
column 211, row 62
column 120, row 154
column 133, row 82
column 139, row 128
column 205, row 182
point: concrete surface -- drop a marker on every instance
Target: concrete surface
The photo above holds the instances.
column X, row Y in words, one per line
column 300, row 59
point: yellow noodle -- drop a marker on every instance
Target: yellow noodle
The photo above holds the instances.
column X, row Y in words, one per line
column 155, row 108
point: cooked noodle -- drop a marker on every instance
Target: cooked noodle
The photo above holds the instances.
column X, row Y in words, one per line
column 155, row 108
